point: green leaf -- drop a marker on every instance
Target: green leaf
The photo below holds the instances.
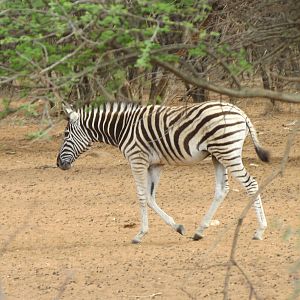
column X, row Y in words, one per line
column 106, row 35
column 168, row 57
column 215, row 33
column 29, row 109
column 199, row 51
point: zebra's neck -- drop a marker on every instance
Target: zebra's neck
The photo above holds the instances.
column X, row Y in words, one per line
column 107, row 122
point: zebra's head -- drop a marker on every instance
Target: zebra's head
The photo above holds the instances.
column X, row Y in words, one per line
column 76, row 140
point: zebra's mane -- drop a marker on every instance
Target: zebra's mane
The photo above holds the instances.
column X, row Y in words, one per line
column 112, row 106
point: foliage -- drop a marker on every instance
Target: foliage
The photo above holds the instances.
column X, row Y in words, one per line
column 29, row 110
column 66, row 50
column 66, row 45
column 40, row 134
column 6, row 108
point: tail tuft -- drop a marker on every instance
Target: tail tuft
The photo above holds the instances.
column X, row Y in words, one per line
column 263, row 154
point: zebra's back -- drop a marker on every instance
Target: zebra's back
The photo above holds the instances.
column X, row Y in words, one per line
column 187, row 133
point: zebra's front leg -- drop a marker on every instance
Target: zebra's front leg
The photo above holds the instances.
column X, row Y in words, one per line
column 139, row 172
column 222, row 189
column 153, row 179
column 144, row 222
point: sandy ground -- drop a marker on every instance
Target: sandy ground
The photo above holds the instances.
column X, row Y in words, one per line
column 67, row 235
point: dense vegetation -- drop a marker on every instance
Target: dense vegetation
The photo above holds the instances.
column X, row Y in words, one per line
column 94, row 50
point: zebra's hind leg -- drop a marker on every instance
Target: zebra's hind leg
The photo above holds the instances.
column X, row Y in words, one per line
column 260, row 214
column 238, row 170
column 222, row 189
column 153, row 179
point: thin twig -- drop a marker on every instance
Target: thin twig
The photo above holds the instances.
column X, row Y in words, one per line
column 225, row 66
column 107, row 95
column 152, row 296
column 252, row 289
column 18, row 230
column 188, row 293
column 63, row 59
column 62, row 288
column 287, row 78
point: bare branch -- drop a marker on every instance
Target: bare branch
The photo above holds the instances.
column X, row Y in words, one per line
column 242, row 93
column 107, row 95
column 252, row 289
column 286, row 78
column 225, row 66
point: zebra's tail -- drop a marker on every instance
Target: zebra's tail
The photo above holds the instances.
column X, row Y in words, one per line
column 263, row 154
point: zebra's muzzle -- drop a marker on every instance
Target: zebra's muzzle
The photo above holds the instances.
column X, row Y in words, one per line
column 64, row 165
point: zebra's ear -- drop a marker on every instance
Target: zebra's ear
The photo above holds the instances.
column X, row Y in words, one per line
column 70, row 113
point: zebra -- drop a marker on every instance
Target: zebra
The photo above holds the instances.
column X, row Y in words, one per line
column 152, row 136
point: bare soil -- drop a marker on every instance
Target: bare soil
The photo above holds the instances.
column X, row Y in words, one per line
column 67, row 235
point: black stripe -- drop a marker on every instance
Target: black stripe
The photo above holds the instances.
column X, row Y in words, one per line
column 144, row 136
column 112, row 125
column 226, row 152
column 223, row 144
column 233, row 165
column 139, row 158
column 120, row 125
column 234, row 171
column 249, row 184
column 139, row 151
column 167, row 136
column 160, row 134
column 152, row 137
column 231, row 158
column 191, row 121
column 228, row 134
column 203, row 122
column 141, row 138
column 101, row 124
column 96, row 121
column 91, row 125
column 212, row 132
column 247, row 179
column 185, row 113
column 128, row 126
column 131, row 124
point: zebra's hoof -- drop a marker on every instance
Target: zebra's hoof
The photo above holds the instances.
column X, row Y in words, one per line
column 257, row 238
column 259, row 235
column 197, row 237
column 180, row 229
column 135, row 241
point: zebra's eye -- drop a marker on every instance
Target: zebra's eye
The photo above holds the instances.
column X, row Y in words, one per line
column 66, row 133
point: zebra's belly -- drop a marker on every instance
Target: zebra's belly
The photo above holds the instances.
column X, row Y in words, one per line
column 195, row 157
